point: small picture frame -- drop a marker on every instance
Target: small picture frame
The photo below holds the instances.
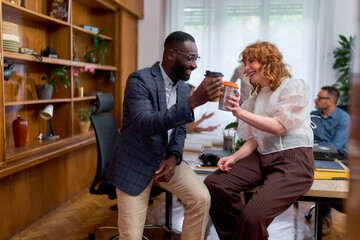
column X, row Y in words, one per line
column 59, row 9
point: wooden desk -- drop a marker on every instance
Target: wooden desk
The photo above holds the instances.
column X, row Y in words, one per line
column 322, row 192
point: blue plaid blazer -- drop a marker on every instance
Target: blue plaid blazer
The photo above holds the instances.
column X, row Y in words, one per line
column 143, row 140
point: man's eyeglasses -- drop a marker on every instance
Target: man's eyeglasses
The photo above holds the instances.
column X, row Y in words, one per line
column 319, row 98
column 189, row 58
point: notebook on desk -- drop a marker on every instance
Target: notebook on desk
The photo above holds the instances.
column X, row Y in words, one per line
column 330, row 170
column 328, row 166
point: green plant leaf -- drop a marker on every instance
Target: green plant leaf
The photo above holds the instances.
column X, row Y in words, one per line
column 59, row 73
column 231, row 125
column 239, row 143
column 84, row 114
column 342, row 63
column 99, row 47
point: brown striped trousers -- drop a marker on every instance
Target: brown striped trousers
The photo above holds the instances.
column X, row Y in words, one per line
column 282, row 177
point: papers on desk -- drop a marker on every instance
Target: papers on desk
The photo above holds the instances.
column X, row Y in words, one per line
column 193, row 146
column 322, row 175
column 195, row 142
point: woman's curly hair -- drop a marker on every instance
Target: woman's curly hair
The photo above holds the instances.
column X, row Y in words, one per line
column 271, row 64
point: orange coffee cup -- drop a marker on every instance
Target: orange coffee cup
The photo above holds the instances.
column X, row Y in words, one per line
column 228, row 90
column 211, row 75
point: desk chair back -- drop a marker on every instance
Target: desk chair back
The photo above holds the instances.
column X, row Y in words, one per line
column 106, row 133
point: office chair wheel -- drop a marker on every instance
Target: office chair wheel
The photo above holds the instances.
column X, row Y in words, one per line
column 310, row 213
column 91, row 236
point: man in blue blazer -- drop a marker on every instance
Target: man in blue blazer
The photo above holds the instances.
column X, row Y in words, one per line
column 157, row 106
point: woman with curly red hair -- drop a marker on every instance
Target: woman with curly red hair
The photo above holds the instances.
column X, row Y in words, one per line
column 277, row 156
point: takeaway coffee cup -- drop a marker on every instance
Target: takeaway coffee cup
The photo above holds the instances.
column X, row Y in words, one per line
column 228, row 90
column 211, row 75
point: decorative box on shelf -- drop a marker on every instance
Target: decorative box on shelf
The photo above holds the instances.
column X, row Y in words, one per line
column 90, row 28
column 60, row 9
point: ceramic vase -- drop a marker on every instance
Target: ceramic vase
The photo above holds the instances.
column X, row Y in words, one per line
column 20, row 129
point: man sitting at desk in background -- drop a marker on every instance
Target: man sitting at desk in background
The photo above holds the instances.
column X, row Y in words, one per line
column 149, row 146
column 331, row 128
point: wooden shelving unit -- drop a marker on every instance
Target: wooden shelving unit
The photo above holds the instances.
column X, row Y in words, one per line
column 37, row 30
column 21, row 15
column 47, row 173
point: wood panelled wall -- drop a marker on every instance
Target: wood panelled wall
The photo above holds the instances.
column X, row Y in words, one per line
column 28, row 194
column 128, row 48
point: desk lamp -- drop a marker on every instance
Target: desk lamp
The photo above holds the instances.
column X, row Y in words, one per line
column 47, row 114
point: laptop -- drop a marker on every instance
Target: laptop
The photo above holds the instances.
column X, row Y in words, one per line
column 322, row 152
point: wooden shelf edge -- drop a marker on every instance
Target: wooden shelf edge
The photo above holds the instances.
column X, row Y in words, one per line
column 29, row 13
column 99, row 4
column 31, row 58
column 80, row 29
column 30, row 102
column 120, row 4
column 19, row 163
column 86, row 98
column 58, row 61
column 96, row 66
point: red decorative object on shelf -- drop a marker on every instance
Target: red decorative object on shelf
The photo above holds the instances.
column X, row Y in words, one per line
column 20, row 129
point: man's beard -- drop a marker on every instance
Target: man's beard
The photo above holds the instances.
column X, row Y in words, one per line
column 180, row 71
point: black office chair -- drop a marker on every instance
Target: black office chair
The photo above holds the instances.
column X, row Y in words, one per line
column 106, row 133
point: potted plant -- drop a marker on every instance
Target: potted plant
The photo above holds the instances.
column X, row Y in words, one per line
column 230, row 140
column 84, row 119
column 99, row 48
column 342, row 65
column 57, row 75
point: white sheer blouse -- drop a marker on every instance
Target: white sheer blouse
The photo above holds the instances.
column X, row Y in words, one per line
column 289, row 104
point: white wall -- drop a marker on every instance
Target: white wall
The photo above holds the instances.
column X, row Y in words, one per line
column 151, row 33
column 345, row 19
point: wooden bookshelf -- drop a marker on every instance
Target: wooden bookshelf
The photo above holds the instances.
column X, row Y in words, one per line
column 48, row 172
column 37, row 30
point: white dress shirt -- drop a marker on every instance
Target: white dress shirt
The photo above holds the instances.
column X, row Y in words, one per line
column 171, row 94
column 289, row 104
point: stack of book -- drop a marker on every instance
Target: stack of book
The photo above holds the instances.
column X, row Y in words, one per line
column 325, row 169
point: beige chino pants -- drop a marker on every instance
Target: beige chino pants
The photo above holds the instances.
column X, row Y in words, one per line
column 187, row 186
